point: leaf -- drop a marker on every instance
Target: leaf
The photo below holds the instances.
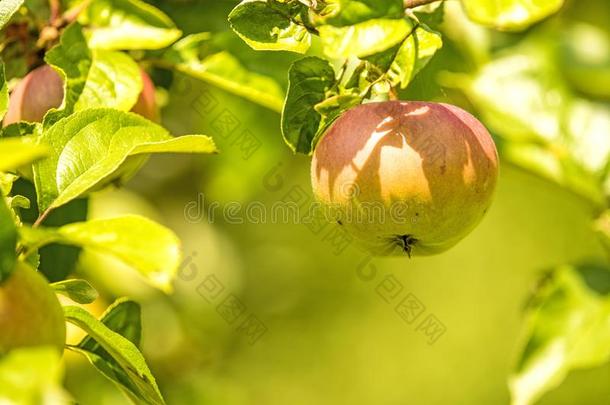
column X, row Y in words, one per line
column 602, row 227
column 89, row 148
column 79, row 291
column 128, row 24
column 8, row 241
column 265, row 28
column 546, row 129
column 341, row 13
column 568, row 327
column 28, row 375
column 7, row 9
column 224, row 70
column 98, row 78
column 140, row 384
column 403, row 62
column 123, row 317
column 150, row 248
column 3, row 92
column 309, row 79
column 16, row 152
column 363, row 39
column 114, row 81
column 510, row 15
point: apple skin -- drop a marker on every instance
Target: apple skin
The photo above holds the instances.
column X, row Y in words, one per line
column 146, row 105
column 30, row 314
column 405, row 177
column 38, row 92
column 43, row 89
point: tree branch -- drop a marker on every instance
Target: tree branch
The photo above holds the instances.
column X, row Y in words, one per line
column 417, row 3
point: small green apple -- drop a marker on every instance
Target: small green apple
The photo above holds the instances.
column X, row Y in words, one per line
column 30, row 314
column 416, row 176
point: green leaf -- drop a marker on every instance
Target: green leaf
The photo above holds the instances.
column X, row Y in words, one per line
column 114, row 81
column 124, row 317
column 89, row 148
column 568, row 327
column 265, row 28
column 16, row 152
column 403, row 62
column 150, row 248
column 340, row 13
column 510, row 15
column 8, row 241
column 365, row 38
column 602, row 227
column 7, row 9
column 128, row 24
column 30, row 374
column 3, row 92
column 546, row 129
column 128, row 362
column 224, row 70
column 72, row 58
column 79, row 291
column 309, row 80
column 98, row 78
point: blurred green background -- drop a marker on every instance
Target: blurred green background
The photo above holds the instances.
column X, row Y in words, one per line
column 331, row 336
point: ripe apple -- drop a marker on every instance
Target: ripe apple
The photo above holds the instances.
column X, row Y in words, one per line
column 42, row 89
column 405, row 177
column 30, row 314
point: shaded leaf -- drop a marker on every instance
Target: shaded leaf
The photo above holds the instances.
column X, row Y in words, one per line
column 79, row 291
column 340, row 13
column 3, row 92
column 8, row 241
column 132, row 365
column 568, row 327
column 265, row 28
column 16, row 152
column 309, row 80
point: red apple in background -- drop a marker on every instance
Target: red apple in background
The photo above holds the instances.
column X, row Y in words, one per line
column 42, row 89
column 38, row 92
column 405, row 177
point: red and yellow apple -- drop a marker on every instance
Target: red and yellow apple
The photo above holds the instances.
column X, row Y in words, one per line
column 405, row 177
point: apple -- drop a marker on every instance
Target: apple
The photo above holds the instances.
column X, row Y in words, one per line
column 30, row 314
column 38, row 92
column 42, row 89
column 405, row 177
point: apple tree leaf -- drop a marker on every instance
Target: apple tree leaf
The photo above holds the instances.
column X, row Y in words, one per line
column 93, row 147
column 148, row 247
column 122, row 361
column 93, row 78
column 7, row 9
column 79, row 291
column 341, row 13
column 309, row 81
column 194, row 56
column 510, row 15
column 270, row 26
column 365, row 38
column 567, row 328
column 128, row 24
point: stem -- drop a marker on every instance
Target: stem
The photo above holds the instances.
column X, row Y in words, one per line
column 55, row 8
column 417, row 3
column 41, row 218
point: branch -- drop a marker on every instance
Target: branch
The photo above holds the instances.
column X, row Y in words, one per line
column 417, row 3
